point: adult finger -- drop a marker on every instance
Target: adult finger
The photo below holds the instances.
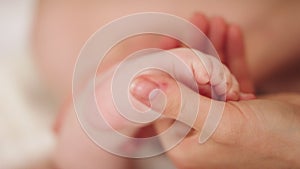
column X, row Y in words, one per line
column 236, row 59
column 179, row 104
column 217, row 35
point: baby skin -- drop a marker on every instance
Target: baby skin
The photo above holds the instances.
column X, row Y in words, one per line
column 207, row 71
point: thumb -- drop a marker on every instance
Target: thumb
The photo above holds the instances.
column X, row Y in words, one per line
column 181, row 103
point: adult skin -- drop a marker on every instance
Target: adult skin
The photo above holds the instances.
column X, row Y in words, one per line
column 258, row 133
column 62, row 27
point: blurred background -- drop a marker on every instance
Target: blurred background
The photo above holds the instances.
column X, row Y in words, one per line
column 25, row 135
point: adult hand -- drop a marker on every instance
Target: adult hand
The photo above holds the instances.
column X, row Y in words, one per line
column 259, row 133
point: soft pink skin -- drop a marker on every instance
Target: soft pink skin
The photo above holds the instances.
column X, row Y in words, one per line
column 62, row 27
column 258, row 133
column 75, row 150
column 203, row 69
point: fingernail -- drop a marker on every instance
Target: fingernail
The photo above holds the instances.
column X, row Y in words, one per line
column 144, row 89
column 153, row 94
column 233, row 96
column 247, row 96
